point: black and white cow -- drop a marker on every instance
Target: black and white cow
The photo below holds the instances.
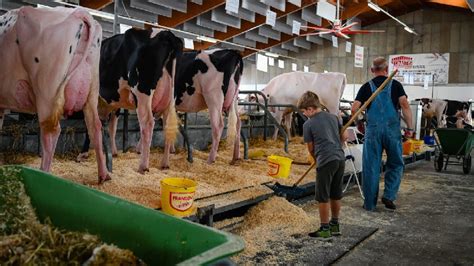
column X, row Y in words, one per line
column 210, row 80
column 448, row 113
column 137, row 71
column 207, row 80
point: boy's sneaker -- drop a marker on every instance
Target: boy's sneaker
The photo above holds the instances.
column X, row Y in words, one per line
column 335, row 230
column 389, row 205
column 323, row 234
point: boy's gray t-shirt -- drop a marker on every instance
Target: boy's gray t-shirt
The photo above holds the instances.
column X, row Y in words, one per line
column 323, row 130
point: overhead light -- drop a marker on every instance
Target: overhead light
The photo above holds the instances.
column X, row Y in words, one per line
column 206, row 39
column 373, row 6
column 409, row 29
column 271, row 54
column 379, row 9
column 42, row 6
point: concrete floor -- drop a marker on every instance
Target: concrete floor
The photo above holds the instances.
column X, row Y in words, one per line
column 434, row 222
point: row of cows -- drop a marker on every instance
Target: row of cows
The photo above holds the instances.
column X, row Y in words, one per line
column 57, row 66
column 448, row 113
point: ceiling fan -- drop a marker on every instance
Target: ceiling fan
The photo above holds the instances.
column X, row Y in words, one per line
column 338, row 29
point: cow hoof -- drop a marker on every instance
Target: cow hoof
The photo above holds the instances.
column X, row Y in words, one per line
column 104, row 179
column 210, row 162
column 166, row 167
column 143, row 170
column 115, row 155
column 235, row 161
column 82, row 157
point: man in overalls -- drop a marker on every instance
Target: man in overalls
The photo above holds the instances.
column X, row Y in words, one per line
column 383, row 133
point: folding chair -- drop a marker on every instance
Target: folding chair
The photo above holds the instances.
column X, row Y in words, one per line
column 352, row 132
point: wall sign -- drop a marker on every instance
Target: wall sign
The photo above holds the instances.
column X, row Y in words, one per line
column 418, row 66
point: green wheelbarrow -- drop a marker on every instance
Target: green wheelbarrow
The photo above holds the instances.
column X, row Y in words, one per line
column 453, row 146
column 155, row 237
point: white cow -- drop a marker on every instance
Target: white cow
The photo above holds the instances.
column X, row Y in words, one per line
column 50, row 66
column 287, row 88
column 434, row 108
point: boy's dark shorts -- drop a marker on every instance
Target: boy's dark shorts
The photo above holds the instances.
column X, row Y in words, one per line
column 329, row 181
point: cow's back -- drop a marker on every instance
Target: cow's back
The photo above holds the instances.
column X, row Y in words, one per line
column 214, row 72
column 289, row 87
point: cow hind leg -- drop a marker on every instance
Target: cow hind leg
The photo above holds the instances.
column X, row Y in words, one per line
column 147, row 122
column 217, row 126
column 278, row 118
column 112, row 131
column 94, row 129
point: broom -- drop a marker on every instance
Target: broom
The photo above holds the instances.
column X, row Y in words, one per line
column 293, row 192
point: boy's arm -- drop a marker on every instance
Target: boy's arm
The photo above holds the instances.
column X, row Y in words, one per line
column 343, row 135
column 310, row 146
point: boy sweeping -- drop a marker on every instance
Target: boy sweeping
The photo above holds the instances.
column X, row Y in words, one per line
column 321, row 134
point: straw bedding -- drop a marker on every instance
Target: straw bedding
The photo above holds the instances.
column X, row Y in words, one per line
column 212, row 179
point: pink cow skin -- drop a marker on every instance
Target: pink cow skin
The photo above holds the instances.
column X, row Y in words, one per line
column 50, row 66
column 287, row 88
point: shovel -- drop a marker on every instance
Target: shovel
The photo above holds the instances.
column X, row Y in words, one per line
column 291, row 192
column 294, row 192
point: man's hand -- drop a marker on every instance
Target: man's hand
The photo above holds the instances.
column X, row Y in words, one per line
column 408, row 132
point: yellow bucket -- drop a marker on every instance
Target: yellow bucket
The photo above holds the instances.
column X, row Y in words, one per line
column 279, row 166
column 177, row 196
column 256, row 154
column 418, row 146
column 408, row 147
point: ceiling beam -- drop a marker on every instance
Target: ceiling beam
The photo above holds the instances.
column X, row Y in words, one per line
column 454, row 3
column 349, row 12
column 259, row 21
column 95, row 4
column 193, row 10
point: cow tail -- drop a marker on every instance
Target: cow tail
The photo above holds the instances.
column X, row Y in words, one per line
column 232, row 123
column 171, row 129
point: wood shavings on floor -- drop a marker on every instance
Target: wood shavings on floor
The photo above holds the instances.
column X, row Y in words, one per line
column 212, row 179
column 273, row 219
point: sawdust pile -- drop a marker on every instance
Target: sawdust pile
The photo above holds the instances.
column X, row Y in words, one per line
column 273, row 219
column 24, row 240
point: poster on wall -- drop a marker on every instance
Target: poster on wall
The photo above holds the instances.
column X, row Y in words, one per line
column 359, row 56
column 418, row 66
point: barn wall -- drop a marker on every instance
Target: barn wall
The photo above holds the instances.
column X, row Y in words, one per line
column 439, row 31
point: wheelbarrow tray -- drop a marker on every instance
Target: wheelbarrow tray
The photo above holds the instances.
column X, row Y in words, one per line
column 155, row 237
column 455, row 141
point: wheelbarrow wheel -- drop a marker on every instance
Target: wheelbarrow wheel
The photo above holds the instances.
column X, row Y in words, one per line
column 438, row 163
column 466, row 164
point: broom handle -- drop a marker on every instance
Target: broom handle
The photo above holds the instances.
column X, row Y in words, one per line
column 361, row 109
column 371, row 98
column 305, row 173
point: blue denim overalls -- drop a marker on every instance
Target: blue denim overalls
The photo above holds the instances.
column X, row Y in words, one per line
column 382, row 132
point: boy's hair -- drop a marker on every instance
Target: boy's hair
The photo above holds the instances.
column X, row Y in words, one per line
column 309, row 99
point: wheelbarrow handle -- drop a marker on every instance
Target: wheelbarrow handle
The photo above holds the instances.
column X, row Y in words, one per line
column 371, row 98
column 305, row 173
